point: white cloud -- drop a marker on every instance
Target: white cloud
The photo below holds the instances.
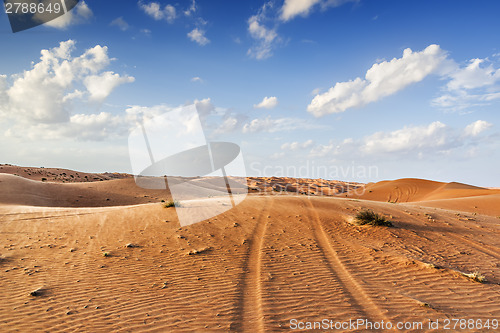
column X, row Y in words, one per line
column 277, row 156
column 82, row 127
column 146, row 32
column 270, row 125
column 198, row 36
column 266, row 38
column 3, row 90
column 435, row 135
column 293, row 8
column 197, row 79
column 462, row 99
column 153, row 9
column 78, row 15
column 315, row 91
column 477, row 127
column 474, row 76
column 347, row 145
column 381, row 80
column 267, row 103
column 297, row 145
column 434, row 138
column 120, row 23
column 170, row 13
column 101, row 86
column 263, row 26
column 473, row 85
column 204, row 107
column 46, row 92
column 191, row 9
column 228, row 125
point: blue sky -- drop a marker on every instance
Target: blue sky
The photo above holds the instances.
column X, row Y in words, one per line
column 353, row 90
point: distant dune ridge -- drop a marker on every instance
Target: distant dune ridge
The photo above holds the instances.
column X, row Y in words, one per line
column 94, row 252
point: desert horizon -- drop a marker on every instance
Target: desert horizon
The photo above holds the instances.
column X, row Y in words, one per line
column 102, row 254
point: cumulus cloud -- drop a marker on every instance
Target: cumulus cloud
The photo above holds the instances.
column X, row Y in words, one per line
column 267, row 103
column 197, row 79
column 476, row 84
column 477, row 128
column 433, row 138
column 205, row 107
column 297, row 145
column 293, row 8
column 198, row 36
column 84, row 127
column 46, row 91
column 154, row 9
column 474, row 76
column 100, row 86
column 229, row 124
column 381, row 80
column 78, row 15
column 434, row 135
column 120, row 23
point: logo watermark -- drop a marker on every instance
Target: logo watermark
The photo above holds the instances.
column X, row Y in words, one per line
column 170, row 151
column 27, row 14
column 311, row 170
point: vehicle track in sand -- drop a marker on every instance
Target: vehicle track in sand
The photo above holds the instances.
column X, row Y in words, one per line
column 339, row 270
column 250, row 303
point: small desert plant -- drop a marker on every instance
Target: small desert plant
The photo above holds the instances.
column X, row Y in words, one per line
column 475, row 276
column 431, row 265
column 423, row 304
column 193, row 252
column 370, row 217
column 37, row 292
column 106, row 254
column 44, row 179
column 172, row 203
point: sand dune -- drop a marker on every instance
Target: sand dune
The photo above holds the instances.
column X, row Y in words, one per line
column 482, row 204
column 413, row 190
column 20, row 191
column 256, row 268
column 58, row 174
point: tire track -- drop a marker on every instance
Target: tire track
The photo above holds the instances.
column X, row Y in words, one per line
column 339, row 270
column 250, row 310
column 476, row 246
column 482, row 248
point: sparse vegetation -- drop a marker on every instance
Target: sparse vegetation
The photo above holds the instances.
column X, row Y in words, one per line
column 106, row 254
column 423, row 304
column 193, row 252
column 37, row 292
column 431, row 265
column 369, row 217
column 172, row 203
column 44, row 179
column 475, row 276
